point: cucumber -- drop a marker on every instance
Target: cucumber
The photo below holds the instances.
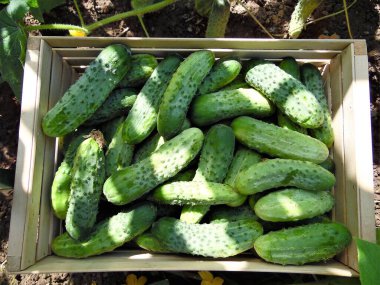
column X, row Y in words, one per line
column 293, row 204
column 149, row 242
column 274, row 173
column 238, row 82
column 224, row 213
column 142, row 118
column 304, row 244
column 328, row 164
column 195, row 193
column 285, row 123
column 132, row 182
column 88, row 175
column 108, row 234
column 117, row 104
column 142, row 66
column 286, row 92
column 186, row 175
column 89, row 92
column 223, row 72
column 203, row 7
column 210, row 240
column 109, row 128
column 119, row 154
column 278, row 142
column 313, row 81
column 77, row 135
column 181, row 90
column 210, row 108
column 218, row 19
column 215, row 159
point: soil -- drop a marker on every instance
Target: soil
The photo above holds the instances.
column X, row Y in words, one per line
column 181, row 20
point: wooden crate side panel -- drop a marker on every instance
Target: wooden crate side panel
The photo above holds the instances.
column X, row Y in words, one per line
column 24, row 161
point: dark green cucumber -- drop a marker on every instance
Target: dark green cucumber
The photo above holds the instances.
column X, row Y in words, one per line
column 78, row 134
column 278, row 142
column 108, row 234
column 313, row 81
column 142, row 118
column 149, row 242
column 203, row 7
column 223, row 72
column 286, row 92
column 119, row 153
column 181, row 90
column 195, row 193
column 117, row 104
column 142, row 66
column 304, row 244
column 238, row 82
column 109, row 128
column 186, row 175
column 293, row 204
column 88, row 175
column 285, row 123
column 210, row 240
column 224, row 213
column 218, row 19
column 274, row 173
column 89, row 92
column 328, row 164
column 132, row 182
column 210, row 108
column 215, row 159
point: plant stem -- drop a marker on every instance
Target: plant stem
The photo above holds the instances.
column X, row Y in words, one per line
column 347, row 18
column 143, row 25
column 118, row 17
column 255, row 19
column 56, row 27
column 79, row 13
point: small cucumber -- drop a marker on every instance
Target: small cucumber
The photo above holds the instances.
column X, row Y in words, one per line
column 218, row 19
column 224, row 213
column 293, row 204
column 238, row 82
column 278, row 142
column 134, row 181
column 149, row 242
column 304, row 244
column 108, row 234
column 88, row 175
column 273, row 173
column 203, row 7
column 211, row 108
column 223, row 72
column 328, row 164
column 142, row 118
column 286, row 92
column 142, row 66
column 285, row 123
column 117, row 104
column 181, row 90
column 210, row 240
column 89, row 92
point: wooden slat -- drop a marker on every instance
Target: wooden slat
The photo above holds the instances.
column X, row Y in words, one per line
column 142, row 261
column 24, row 164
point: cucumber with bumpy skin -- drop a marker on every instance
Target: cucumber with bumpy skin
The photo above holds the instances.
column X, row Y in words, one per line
column 304, row 244
column 274, row 173
column 224, row 213
column 89, row 92
column 186, row 175
column 181, row 90
column 109, row 128
column 149, row 242
column 328, row 164
column 134, row 181
column 210, row 240
column 142, row 118
column 285, row 123
column 286, row 92
column 292, row 204
column 278, row 142
column 238, row 82
column 142, row 66
column 218, row 19
column 108, row 234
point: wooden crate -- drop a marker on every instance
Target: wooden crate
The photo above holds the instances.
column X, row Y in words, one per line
column 53, row 63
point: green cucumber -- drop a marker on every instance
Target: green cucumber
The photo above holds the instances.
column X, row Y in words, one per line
column 285, row 123
column 210, row 240
column 186, row 175
column 108, row 234
column 210, row 108
column 218, row 19
column 89, row 92
column 224, row 213
column 109, row 128
column 313, row 81
column 149, row 242
column 117, row 104
column 78, row 134
column 195, row 193
column 273, row 173
column 293, row 204
column 88, row 175
column 286, row 92
column 142, row 66
column 304, row 244
column 142, row 118
column 328, row 164
column 134, row 181
column 238, row 82
column 181, row 90
column 278, row 142
column 203, row 7
column 223, row 72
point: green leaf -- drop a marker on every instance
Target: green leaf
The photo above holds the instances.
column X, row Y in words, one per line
column 18, row 8
column 12, row 51
column 4, row 1
column 369, row 265
column 45, row 6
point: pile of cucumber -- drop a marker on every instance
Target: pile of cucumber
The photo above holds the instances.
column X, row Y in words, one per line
column 195, row 156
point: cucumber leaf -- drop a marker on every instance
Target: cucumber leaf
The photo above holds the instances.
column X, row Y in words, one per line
column 4, row 1
column 369, row 265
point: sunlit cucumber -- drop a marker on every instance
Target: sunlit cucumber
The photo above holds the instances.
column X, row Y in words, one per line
column 149, row 242
column 142, row 66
